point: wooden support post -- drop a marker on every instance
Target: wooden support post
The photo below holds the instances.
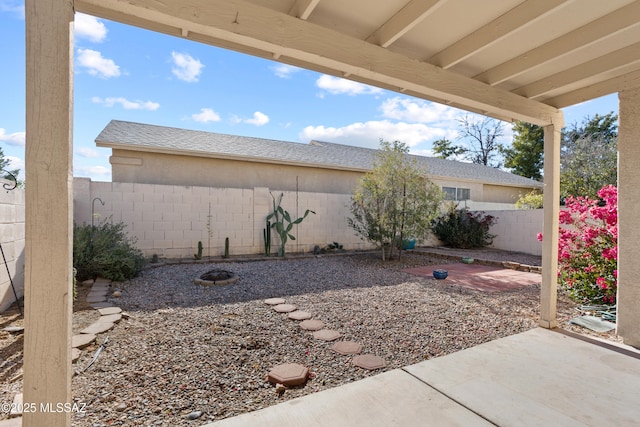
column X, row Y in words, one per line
column 549, row 290
column 628, row 298
column 49, row 209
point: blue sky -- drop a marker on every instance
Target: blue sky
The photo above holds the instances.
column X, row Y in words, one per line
column 126, row 73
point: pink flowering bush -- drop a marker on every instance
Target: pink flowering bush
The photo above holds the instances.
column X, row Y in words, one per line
column 588, row 247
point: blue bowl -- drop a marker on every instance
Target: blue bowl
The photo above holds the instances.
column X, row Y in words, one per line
column 440, row 274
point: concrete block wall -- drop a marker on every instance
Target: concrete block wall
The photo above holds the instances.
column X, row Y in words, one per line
column 12, row 222
column 170, row 220
column 517, row 230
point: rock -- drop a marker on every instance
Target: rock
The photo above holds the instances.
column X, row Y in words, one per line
column 121, row 407
column 280, row 389
column 194, row 415
column 117, row 294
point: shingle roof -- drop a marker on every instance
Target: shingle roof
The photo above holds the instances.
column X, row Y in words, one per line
column 145, row 137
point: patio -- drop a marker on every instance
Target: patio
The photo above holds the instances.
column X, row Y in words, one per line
column 539, row 377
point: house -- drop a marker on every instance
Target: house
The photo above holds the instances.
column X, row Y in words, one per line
column 149, row 154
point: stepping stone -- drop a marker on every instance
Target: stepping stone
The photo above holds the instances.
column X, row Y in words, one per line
column 103, row 280
column 110, row 318
column 97, row 328
column 88, row 282
column 326, row 335
column 14, row 329
column 274, row 301
column 109, row 310
column 312, row 325
column 102, row 304
column 100, row 288
column 284, row 308
column 100, row 298
column 82, row 340
column 369, row 362
column 299, row 315
column 347, row 347
column 75, row 354
column 93, row 294
column 289, row 374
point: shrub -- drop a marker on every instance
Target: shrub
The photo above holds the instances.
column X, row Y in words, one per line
column 461, row 228
column 531, row 200
column 105, row 250
column 588, row 247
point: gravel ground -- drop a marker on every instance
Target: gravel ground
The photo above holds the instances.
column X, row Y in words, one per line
column 187, row 349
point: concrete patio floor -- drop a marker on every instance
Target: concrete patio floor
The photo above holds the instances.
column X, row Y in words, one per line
column 536, row 378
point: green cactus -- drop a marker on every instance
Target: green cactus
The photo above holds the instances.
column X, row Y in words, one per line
column 226, row 247
column 266, row 233
column 199, row 254
column 281, row 216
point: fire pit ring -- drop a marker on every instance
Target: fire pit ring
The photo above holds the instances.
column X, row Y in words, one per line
column 216, row 277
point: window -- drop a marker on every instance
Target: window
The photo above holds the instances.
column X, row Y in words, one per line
column 457, row 194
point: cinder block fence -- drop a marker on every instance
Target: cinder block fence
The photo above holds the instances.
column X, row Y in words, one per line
column 170, row 220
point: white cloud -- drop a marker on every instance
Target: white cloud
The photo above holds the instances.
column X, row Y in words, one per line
column 96, row 65
column 87, row 152
column 368, row 134
column 12, row 6
column 206, row 115
column 285, row 71
column 126, row 104
column 338, row 86
column 98, row 172
column 90, row 28
column 419, row 111
column 16, row 138
column 186, row 67
column 258, row 119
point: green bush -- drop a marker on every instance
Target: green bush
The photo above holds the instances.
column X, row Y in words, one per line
column 105, row 250
column 531, row 200
column 461, row 228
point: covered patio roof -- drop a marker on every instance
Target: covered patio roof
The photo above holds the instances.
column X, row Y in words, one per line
column 509, row 59
column 493, row 57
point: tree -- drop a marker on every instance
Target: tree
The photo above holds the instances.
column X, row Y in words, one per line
column 394, row 200
column 525, row 156
column 11, row 175
column 443, row 148
column 482, row 137
column 588, row 156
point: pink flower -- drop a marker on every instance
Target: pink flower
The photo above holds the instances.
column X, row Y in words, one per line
column 539, row 237
column 602, row 282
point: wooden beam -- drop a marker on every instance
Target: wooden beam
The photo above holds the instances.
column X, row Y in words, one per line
column 49, row 210
column 404, row 20
column 617, row 84
column 611, row 61
column 303, row 8
column 579, row 38
column 514, row 20
column 549, row 288
column 249, row 26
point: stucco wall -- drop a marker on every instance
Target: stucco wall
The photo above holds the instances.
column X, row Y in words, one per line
column 12, row 239
column 502, row 194
column 156, row 168
column 166, row 169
